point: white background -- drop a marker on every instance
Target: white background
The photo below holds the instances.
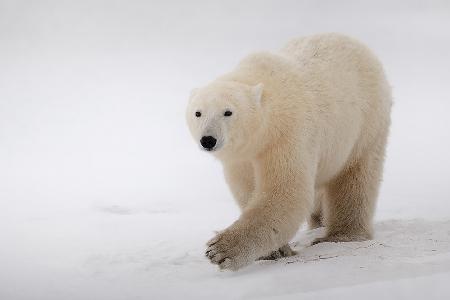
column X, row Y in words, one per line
column 103, row 194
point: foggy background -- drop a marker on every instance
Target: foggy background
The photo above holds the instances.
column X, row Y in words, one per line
column 94, row 150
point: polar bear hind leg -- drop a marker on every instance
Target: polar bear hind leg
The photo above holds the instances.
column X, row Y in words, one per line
column 315, row 220
column 351, row 198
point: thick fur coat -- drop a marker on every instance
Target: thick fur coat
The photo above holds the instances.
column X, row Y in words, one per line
column 301, row 134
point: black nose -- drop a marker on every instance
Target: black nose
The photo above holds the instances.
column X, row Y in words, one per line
column 208, row 142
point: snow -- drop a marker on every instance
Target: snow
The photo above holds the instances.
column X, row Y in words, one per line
column 103, row 195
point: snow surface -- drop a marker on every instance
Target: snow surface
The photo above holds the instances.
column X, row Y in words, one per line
column 103, row 194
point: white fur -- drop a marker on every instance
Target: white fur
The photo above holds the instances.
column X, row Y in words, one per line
column 306, row 138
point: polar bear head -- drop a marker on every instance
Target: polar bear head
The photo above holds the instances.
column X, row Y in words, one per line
column 224, row 116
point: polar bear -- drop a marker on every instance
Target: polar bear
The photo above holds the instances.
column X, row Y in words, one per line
column 301, row 134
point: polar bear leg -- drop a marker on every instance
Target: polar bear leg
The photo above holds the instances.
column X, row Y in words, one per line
column 271, row 218
column 316, row 218
column 240, row 177
column 352, row 197
column 284, row 251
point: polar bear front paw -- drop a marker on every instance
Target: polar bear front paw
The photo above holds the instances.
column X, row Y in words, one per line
column 284, row 251
column 230, row 250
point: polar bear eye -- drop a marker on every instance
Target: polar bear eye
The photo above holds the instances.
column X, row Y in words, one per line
column 198, row 114
column 227, row 113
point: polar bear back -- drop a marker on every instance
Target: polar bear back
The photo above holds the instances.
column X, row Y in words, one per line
column 341, row 64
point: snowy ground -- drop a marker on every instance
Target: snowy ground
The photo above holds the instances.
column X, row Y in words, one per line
column 118, row 254
column 103, row 195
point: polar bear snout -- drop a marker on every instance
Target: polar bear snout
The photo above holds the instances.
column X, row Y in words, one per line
column 208, row 142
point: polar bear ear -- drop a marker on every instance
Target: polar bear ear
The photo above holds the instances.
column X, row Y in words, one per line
column 257, row 91
column 193, row 92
